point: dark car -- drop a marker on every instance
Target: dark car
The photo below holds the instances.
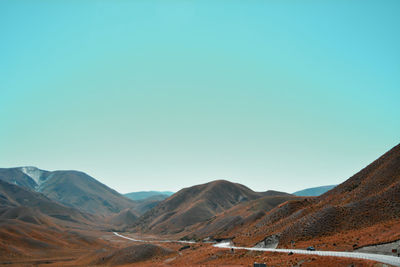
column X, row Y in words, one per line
column 311, row 249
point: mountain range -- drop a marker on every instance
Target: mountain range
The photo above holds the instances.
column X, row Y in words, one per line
column 71, row 188
column 36, row 205
column 314, row 191
column 142, row 195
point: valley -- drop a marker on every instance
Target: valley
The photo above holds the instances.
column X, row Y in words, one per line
column 68, row 218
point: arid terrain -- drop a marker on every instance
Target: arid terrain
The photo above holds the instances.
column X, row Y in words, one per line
column 67, row 218
column 115, row 251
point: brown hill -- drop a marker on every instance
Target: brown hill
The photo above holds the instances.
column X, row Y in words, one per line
column 224, row 224
column 144, row 205
column 79, row 190
column 71, row 188
column 122, row 220
column 25, row 240
column 32, row 225
column 19, row 203
column 194, row 205
column 365, row 209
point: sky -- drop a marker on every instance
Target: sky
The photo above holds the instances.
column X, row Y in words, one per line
column 166, row 94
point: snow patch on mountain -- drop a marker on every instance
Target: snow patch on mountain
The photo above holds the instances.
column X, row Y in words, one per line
column 34, row 173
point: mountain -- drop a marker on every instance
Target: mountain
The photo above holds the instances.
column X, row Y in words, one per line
column 27, row 177
column 314, row 191
column 34, row 227
column 22, row 242
column 194, row 205
column 71, row 188
column 123, row 219
column 223, row 225
column 146, row 200
column 25, row 205
column 363, row 210
column 141, row 195
column 77, row 189
column 31, row 224
column 142, row 206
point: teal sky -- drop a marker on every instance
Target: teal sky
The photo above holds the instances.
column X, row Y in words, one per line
column 165, row 94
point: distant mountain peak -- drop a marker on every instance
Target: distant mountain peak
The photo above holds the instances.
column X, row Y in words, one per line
column 143, row 195
column 314, row 191
column 35, row 173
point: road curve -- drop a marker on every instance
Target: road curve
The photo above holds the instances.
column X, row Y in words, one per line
column 355, row 255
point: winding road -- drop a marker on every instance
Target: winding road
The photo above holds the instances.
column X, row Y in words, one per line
column 392, row 260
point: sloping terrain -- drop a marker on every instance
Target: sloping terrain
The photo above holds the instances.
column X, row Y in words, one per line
column 144, row 205
column 195, row 204
column 71, row 188
column 77, row 189
column 146, row 200
column 32, row 225
column 21, row 240
column 122, row 220
column 314, row 191
column 224, row 224
column 19, row 176
column 19, row 203
column 365, row 209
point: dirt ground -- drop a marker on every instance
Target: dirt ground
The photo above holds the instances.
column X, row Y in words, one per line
column 195, row 255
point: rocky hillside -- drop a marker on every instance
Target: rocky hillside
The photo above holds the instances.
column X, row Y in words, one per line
column 71, row 188
column 194, row 205
column 363, row 210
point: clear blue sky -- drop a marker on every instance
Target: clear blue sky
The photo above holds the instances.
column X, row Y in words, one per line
column 165, row 94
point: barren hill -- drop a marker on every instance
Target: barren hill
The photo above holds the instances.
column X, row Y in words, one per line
column 71, row 188
column 224, row 224
column 122, row 220
column 77, row 189
column 365, row 209
column 32, row 225
column 22, row 204
column 195, row 204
